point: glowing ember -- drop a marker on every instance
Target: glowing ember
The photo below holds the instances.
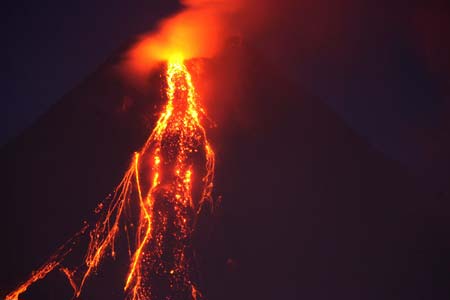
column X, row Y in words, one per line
column 169, row 179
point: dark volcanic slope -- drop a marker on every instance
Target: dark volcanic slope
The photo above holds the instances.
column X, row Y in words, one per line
column 56, row 172
column 309, row 211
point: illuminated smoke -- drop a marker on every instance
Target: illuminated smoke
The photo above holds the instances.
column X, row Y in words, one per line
column 200, row 30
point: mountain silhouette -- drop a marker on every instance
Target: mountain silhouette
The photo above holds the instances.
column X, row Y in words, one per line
column 308, row 209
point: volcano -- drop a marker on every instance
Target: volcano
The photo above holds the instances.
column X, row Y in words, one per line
column 308, row 209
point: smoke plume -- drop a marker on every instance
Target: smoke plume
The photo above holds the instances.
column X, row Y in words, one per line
column 200, row 29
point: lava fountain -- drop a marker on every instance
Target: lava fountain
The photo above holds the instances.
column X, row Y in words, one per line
column 169, row 180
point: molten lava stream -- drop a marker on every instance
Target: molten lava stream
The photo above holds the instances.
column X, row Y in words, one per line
column 169, row 179
column 182, row 174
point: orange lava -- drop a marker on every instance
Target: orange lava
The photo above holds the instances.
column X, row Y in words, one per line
column 53, row 262
column 169, row 180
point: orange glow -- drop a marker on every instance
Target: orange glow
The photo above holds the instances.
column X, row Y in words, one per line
column 173, row 145
column 199, row 30
column 69, row 274
column 53, row 262
column 182, row 160
column 35, row 276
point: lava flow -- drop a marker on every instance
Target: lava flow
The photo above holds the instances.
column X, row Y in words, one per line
column 169, row 180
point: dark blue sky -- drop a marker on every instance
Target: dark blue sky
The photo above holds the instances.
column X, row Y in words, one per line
column 50, row 46
column 383, row 66
column 380, row 66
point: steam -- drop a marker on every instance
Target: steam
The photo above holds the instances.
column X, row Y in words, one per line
column 199, row 30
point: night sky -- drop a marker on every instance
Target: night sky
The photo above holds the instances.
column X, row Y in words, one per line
column 51, row 46
column 350, row 124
